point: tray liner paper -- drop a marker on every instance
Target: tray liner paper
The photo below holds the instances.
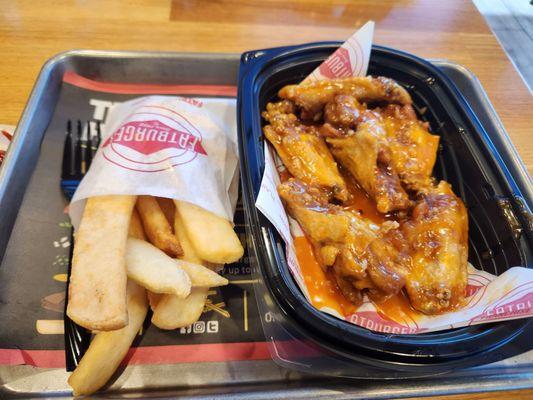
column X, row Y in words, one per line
column 490, row 298
column 33, row 270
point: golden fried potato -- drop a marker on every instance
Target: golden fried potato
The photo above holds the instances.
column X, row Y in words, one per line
column 154, row 270
column 168, row 208
column 136, row 229
column 156, row 226
column 202, row 276
column 211, row 236
column 108, row 349
column 173, row 312
column 97, row 291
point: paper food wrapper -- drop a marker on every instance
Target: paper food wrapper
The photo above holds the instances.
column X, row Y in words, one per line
column 6, row 135
column 174, row 147
column 489, row 298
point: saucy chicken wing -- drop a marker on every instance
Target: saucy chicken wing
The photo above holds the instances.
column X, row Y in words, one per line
column 437, row 236
column 386, row 156
column 303, row 152
column 367, row 156
column 413, row 149
column 312, row 96
column 361, row 253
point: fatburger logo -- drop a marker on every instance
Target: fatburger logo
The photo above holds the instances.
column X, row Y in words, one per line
column 152, row 146
column 346, row 61
column 338, row 65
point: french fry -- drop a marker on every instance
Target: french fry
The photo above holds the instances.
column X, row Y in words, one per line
column 153, row 299
column 212, row 237
column 97, row 291
column 189, row 254
column 108, row 349
column 213, row 266
column 154, row 270
column 136, row 227
column 156, row 226
column 173, row 312
column 168, row 208
column 170, row 312
column 202, row 276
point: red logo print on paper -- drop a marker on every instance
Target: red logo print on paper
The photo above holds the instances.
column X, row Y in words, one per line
column 149, row 137
column 375, row 321
column 153, row 145
column 518, row 306
column 337, row 65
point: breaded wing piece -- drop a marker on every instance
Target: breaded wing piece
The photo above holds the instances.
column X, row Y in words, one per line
column 312, row 96
column 437, row 236
column 303, row 152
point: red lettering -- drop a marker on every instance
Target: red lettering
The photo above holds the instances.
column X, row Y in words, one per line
column 162, row 137
column 193, row 141
column 130, row 132
column 118, row 134
column 173, row 137
column 140, row 134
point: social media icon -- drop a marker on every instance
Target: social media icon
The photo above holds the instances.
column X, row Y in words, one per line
column 198, row 327
column 212, row 326
column 186, row 329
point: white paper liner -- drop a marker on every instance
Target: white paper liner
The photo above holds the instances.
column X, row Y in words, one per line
column 6, row 133
column 490, row 298
column 167, row 146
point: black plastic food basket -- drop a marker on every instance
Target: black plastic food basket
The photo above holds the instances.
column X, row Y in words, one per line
column 500, row 231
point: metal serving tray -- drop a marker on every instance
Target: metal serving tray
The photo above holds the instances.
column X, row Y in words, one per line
column 243, row 379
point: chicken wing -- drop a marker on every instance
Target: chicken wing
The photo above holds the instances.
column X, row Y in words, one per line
column 303, row 152
column 369, row 127
column 312, row 96
column 437, row 236
column 341, row 116
column 413, row 149
column 362, row 255
column 367, row 156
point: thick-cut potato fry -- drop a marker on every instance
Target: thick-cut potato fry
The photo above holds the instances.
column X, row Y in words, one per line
column 172, row 312
column 213, row 266
column 97, row 291
column 153, row 299
column 202, row 276
column 212, row 237
column 168, row 208
column 154, row 270
column 157, row 227
column 189, row 254
column 108, row 349
column 136, row 226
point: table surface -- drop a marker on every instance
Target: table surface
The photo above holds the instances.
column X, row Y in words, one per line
column 31, row 32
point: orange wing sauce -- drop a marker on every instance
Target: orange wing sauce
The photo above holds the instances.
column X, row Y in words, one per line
column 323, row 289
column 360, row 202
column 398, row 308
column 284, row 175
column 324, row 292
